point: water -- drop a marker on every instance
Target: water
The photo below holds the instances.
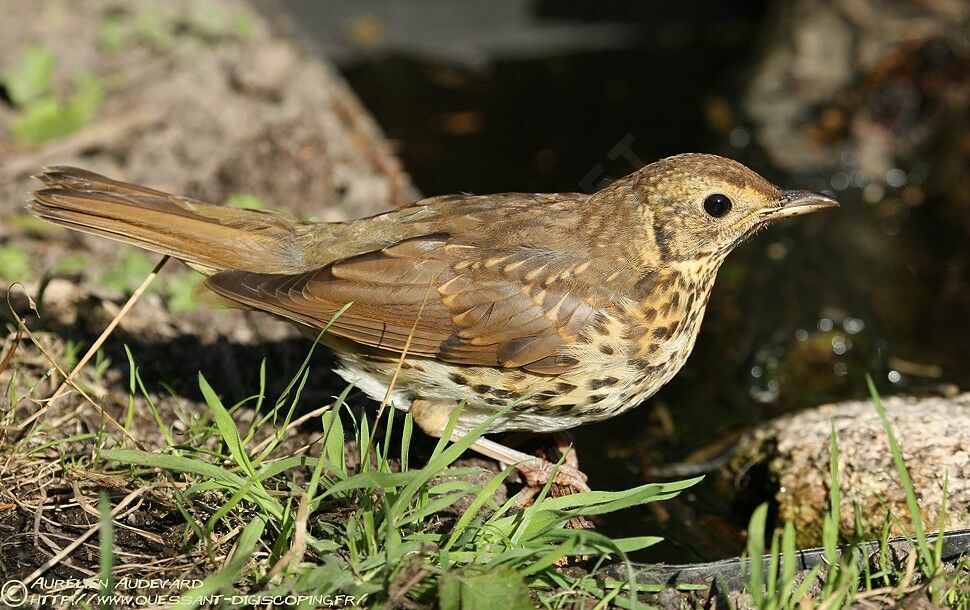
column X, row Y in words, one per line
column 798, row 316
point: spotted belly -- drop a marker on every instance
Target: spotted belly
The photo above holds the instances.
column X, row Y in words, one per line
column 537, row 403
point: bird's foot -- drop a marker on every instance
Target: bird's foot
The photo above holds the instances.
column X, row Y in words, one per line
column 568, row 480
column 537, row 472
column 567, row 449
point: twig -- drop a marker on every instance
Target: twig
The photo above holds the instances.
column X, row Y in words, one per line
column 112, row 325
column 82, row 538
column 298, row 548
column 293, row 424
column 53, row 362
column 908, row 574
column 69, row 377
column 7, row 357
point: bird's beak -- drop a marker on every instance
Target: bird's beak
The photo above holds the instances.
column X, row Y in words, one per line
column 797, row 203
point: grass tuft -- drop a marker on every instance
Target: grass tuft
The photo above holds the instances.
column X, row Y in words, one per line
column 387, row 529
column 846, row 576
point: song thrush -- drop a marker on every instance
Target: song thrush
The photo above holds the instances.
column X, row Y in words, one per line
column 570, row 307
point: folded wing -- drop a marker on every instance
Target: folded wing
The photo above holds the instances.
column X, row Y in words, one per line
column 514, row 308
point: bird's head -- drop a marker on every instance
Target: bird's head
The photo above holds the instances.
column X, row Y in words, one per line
column 699, row 206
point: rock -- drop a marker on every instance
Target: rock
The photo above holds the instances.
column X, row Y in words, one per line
column 933, row 432
column 271, row 69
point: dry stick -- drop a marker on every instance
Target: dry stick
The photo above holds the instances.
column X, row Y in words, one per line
column 113, row 324
column 7, row 357
column 400, row 364
column 4, row 363
column 69, row 378
column 398, row 592
column 296, row 551
column 293, row 424
column 50, row 358
column 306, row 446
column 82, row 538
column 908, row 575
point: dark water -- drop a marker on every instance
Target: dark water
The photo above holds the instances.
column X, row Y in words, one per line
column 798, row 316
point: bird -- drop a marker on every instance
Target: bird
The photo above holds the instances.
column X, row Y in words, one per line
column 539, row 311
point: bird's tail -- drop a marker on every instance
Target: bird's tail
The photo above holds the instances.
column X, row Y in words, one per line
column 208, row 237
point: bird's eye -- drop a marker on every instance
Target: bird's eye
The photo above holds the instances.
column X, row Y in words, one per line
column 717, row 205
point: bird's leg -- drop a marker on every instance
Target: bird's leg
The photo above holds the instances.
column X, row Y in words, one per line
column 432, row 417
column 536, row 471
column 562, row 442
column 566, row 448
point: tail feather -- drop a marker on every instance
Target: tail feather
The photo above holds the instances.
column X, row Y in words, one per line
column 208, row 237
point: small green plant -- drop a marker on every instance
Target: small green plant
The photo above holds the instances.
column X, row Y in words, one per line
column 14, row 265
column 106, row 544
column 70, row 263
column 165, row 31
column 45, row 116
column 113, row 35
column 31, row 79
column 129, row 272
column 181, row 290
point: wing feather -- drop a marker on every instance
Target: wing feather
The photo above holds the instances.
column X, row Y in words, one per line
column 473, row 310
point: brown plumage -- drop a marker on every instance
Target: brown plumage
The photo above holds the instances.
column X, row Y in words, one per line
column 568, row 307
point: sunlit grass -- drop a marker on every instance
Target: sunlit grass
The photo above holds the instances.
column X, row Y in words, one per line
column 388, row 528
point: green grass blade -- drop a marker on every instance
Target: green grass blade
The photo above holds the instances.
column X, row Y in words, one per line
column 406, row 432
column 835, row 496
column 176, row 463
column 590, row 503
column 370, row 480
column 771, row 587
column 788, row 564
column 136, row 381
column 334, row 439
column 106, row 544
column 476, row 505
column 132, row 388
column 444, row 458
column 806, row 584
column 227, row 428
column 929, row 565
column 756, row 550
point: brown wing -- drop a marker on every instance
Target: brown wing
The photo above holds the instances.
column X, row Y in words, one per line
column 513, row 308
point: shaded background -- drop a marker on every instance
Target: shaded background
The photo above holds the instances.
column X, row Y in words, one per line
column 865, row 100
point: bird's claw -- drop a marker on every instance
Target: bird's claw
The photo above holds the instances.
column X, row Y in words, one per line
column 538, row 473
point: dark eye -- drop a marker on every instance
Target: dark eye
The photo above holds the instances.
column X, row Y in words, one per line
column 717, row 205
